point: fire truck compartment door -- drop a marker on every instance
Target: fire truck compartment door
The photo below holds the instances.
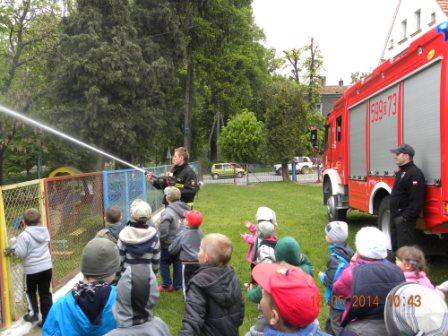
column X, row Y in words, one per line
column 421, row 119
column 357, row 142
column 383, row 114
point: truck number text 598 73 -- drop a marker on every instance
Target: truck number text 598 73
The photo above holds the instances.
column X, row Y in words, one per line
column 383, row 108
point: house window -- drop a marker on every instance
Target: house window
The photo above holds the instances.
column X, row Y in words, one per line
column 391, row 44
column 319, row 107
column 404, row 24
column 433, row 19
column 417, row 15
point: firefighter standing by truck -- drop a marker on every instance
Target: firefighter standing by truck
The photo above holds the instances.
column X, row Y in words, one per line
column 181, row 176
column 407, row 197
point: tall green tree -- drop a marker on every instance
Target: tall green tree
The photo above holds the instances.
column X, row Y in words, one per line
column 294, row 58
column 240, row 138
column 226, row 66
column 285, row 124
column 28, row 30
column 313, row 64
column 112, row 75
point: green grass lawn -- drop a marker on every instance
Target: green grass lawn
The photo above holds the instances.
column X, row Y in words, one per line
column 299, row 214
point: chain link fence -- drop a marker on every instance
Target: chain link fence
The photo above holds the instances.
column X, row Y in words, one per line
column 16, row 199
column 74, row 216
column 72, row 208
column 121, row 187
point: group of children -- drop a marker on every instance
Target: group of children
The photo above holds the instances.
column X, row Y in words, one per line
column 366, row 293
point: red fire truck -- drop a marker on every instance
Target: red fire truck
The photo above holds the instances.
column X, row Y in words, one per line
column 404, row 100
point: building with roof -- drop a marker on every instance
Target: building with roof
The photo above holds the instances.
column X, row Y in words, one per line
column 412, row 18
column 328, row 96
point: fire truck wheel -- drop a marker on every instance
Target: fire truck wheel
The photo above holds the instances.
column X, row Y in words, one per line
column 333, row 213
column 384, row 219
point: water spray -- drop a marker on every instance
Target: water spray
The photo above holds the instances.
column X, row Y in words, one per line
column 65, row 136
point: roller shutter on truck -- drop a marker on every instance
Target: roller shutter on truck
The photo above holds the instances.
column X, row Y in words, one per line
column 383, row 114
column 357, row 142
column 421, row 120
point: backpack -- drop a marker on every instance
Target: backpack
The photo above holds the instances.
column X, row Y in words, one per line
column 336, row 303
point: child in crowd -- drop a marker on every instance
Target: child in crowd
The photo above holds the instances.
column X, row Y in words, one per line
column 336, row 234
column 267, row 241
column 171, row 222
column 134, row 203
column 290, row 301
column 32, row 247
column 414, row 309
column 288, row 254
column 263, row 214
column 137, row 295
column 138, row 242
column 187, row 244
column 87, row 308
column 214, row 305
column 365, row 283
column 413, row 264
column 112, row 224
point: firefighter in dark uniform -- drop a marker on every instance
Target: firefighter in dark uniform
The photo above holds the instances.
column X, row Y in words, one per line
column 181, row 176
column 407, row 197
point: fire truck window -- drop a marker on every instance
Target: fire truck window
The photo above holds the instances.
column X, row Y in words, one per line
column 339, row 129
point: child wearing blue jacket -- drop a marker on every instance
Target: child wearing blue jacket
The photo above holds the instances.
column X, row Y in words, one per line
column 336, row 234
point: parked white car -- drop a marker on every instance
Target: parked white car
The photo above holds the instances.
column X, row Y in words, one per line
column 304, row 165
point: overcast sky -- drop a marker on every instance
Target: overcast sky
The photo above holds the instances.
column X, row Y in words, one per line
column 351, row 33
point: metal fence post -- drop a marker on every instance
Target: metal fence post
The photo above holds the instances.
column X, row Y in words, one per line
column 4, row 285
column 294, row 171
column 105, row 190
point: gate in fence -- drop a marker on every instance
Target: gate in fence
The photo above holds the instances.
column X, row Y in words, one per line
column 15, row 199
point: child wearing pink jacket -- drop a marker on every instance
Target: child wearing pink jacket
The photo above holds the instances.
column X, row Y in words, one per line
column 251, row 238
column 412, row 261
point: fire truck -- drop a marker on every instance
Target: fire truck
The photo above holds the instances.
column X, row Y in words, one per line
column 404, row 100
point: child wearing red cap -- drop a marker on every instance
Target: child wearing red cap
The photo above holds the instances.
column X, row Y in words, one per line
column 290, row 301
column 186, row 244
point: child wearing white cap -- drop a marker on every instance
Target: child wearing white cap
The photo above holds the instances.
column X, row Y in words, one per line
column 252, row 238
column 138, row 242
column 414, row 309
column 336, row 234
column 365, row 283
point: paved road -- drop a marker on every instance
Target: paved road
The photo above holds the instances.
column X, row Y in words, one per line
column 259, row 177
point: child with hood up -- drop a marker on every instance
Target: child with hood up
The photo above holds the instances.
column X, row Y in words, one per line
column 171, row 223
column 137, row 295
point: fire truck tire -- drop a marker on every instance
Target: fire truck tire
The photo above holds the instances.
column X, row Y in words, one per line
column 333, row 213
column 384, row 219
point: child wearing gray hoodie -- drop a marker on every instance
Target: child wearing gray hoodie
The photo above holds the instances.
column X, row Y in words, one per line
column 32, row 247
column 137, row 295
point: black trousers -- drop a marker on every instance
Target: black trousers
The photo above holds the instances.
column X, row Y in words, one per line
column 39, row 282
column 403, row 232
column 189, row 270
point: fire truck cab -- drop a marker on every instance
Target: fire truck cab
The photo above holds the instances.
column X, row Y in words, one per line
column 404, row 100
